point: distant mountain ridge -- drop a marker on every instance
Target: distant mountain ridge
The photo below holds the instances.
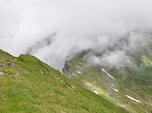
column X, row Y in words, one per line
column 129, row 86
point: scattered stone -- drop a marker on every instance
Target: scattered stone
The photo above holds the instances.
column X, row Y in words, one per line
column 7, row 65
column 1, row 73
column 72, row 87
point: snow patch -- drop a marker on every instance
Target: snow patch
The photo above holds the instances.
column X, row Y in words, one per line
column 115, row 90
column 96, row 92
column 79, row 72
column 133, row 99
column 108, row 74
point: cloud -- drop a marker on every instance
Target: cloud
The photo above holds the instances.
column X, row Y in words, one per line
column 28, row 26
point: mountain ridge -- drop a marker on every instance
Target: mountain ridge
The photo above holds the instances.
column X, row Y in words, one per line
column 129, row 86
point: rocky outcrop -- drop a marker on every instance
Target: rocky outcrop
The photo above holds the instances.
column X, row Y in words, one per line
column 7, row 65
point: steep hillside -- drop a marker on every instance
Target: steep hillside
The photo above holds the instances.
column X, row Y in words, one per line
column 27, row 85
column 129, row 87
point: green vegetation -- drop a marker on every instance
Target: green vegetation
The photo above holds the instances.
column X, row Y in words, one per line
column 146, row 61
column 31, row 86
column 133, row 81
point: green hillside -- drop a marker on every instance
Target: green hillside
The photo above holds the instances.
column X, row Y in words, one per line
column 28, row 85
column 129, row 87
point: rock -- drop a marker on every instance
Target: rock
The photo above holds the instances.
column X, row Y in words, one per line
column 1, row 73
column 7, row 65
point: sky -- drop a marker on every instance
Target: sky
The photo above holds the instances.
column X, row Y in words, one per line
column 52, row 30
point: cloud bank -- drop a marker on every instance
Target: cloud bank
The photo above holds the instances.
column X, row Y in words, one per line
column 54, row 29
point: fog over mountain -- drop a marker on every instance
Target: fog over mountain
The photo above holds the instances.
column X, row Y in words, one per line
column 53, row 30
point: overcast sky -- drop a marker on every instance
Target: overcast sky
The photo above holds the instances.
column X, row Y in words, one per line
column 54, row 29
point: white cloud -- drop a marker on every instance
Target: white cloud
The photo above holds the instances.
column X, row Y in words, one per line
column 78, row 24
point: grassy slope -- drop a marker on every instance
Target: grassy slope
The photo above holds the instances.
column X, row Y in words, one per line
column 133, row 82
column 30, row 86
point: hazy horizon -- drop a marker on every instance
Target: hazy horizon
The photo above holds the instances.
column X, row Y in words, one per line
column 52, row 30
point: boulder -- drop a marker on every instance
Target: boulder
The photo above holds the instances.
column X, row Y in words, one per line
column 1, row 73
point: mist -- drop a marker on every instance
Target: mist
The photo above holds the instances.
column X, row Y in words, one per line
column 52, row 30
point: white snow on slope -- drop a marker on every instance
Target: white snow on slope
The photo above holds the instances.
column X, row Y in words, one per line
column 115, row 90
column 79, row 72
column 108, row 74
column 133, row 99
column 96, row 92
